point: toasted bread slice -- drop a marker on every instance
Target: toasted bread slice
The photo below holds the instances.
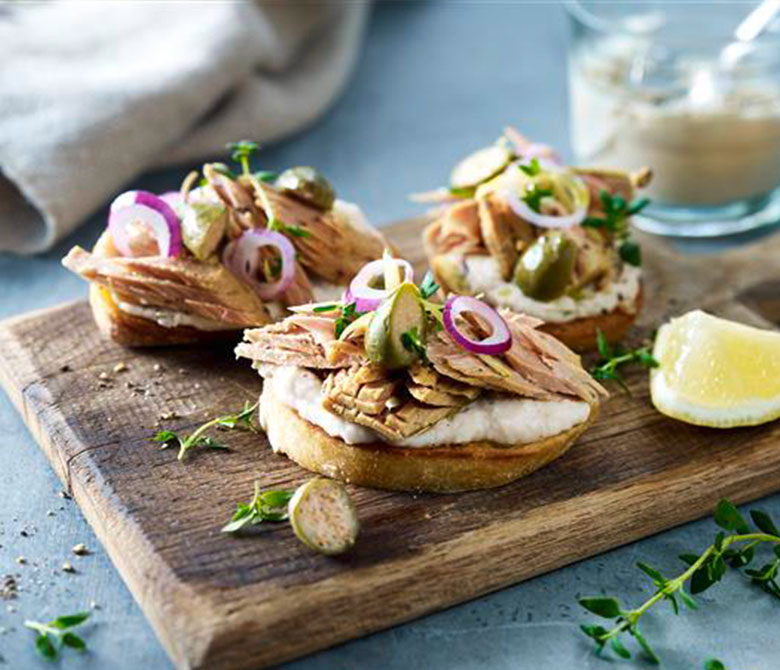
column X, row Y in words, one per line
column 440, row 469
column 130, row 330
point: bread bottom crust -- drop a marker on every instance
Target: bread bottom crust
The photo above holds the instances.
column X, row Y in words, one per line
column 441, row 469
column 130, row 330
column 580, row 334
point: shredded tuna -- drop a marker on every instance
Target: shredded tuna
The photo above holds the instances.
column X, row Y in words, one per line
column 395, row 404
column 179, row 285
column 332, row 247
column 299, row 340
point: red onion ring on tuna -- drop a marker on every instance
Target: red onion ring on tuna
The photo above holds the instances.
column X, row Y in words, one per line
column 141, row 207
column 499, row 340
column 242, row 258
column 366, row 297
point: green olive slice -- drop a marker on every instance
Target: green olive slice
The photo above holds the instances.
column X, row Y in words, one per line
column 307, row 184
column 480, row 166
column 202, row 228
column 399, row 313
column 544, row 271
column 323, row 516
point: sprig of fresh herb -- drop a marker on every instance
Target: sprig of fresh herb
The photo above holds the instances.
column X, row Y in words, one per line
column 348, row 314
column 264, row 506
column 282, row 227
column 241, row 151
column 533, row 196
column 612, row 358
column 266, row 176
column 428, row 286
column 331, row 306
column 241, row 420
column 616, row 214
column 463, row 192
column 735, row 550
column 57, row 634
column 413, row 342
column 532, row 169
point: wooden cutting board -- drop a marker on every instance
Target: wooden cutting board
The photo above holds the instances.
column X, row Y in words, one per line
column 218, row 601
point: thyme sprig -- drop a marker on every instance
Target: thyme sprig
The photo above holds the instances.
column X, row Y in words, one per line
column 534, row 194
column 282, row 227
column 613, row 357
column 241, row 151
column 428, row 287
column 349, row 313
column 241, row 420
column 733, row 547
column 57, row 634
column 532, row 169
column 264, row 506
column 413, row 342
column 615, row 219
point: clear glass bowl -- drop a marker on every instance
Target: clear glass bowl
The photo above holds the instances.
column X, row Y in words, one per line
column 666, row 85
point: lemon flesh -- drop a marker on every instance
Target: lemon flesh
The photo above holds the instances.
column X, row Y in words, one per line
column 715, row 372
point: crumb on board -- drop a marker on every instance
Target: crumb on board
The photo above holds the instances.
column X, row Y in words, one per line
column 120, row 367
column 157, row 367
column 9, row 587
column 67, row 566
column 21, row 560
column 80, row 549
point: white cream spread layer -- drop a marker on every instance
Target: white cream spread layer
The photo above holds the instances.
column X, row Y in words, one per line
column 171, row 319
column 483, row 276
column 500, row 419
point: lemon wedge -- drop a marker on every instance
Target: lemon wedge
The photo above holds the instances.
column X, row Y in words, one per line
column 715, row 372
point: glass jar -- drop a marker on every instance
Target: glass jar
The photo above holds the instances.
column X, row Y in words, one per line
column 667, row 85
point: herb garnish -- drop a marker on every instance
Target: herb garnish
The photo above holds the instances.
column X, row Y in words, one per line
column 56, row 634
column 281, row 227
column 463, row 192
column 241, row 151
column 241, row 420
column 735, row 550
column 613, row 357
column 413, row 342
column 264, row 506
column 533, row 196
column 615, row 219
column 348, row 314
column 266, row 176
column 326, row 308
column 714, row 664
column 532, row 169
column 428, row 286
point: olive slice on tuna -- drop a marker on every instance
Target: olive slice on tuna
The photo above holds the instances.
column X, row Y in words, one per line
column 544, row 271
column 202, row 228
column 480, row 166
column 307, row 184
column 401, row 312
column 323, row 516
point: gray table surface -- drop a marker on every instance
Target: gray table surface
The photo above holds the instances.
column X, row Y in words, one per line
column 436, row 79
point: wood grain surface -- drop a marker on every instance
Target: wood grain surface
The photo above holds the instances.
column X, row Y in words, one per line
column 219, row 601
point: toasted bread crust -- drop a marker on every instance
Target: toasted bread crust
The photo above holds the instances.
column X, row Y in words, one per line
column 580, row 334
column 130, row 330
column 440, row 469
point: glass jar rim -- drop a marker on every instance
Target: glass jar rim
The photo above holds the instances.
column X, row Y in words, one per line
column 589, row 19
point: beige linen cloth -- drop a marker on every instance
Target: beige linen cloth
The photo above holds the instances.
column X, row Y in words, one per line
column 94, row 93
